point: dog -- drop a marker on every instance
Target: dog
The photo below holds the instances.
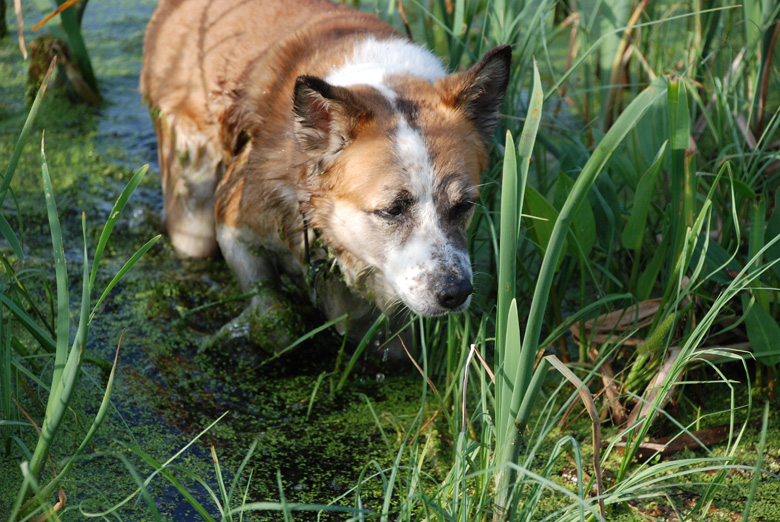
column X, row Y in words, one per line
column 304, row 134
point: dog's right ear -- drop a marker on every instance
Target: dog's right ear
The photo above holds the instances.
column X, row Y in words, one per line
column 325, row 118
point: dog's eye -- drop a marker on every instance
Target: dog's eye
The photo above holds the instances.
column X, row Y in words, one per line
column 394, row 211
column 459, row 210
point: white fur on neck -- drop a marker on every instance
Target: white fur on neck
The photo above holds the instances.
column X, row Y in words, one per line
column 372, row 60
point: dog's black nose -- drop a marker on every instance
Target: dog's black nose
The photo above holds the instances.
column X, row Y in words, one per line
column 454, row 292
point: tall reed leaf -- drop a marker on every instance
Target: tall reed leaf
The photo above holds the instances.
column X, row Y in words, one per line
column 509, row 351
column 683, row 180
column 60, row 272
column 634, row 231
column 113, row 217
column 17, row 153
column 524, row 370
column 96, row 423
column 622, row 126
column 512, row 195
column 507, row 266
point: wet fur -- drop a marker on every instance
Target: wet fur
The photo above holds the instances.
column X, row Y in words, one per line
column 266, row 116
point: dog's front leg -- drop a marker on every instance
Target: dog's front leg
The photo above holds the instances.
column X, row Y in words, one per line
column 273, row 319
column 190, row 169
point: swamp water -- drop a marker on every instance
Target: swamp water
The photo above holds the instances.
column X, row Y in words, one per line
column 167, row 389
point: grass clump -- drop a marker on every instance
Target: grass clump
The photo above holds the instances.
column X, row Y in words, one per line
column 635, row 203
column 27, row 320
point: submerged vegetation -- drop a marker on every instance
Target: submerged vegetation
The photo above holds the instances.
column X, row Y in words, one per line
column 619, row 361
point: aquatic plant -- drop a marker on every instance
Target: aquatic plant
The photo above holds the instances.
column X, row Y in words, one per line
column 583, row 230
column 20, row 314
column 75, row 65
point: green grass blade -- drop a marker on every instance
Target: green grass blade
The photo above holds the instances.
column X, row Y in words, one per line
column 221, row 483
column 507, row 271
column 583, row 228
column 370, row 334
column 96, row 423
column 512, row 198
column 529, row 400
column 113, row 217
column 636, row 227
column 119, row 275
column 142, row 488
column 6, row 374
column 162, row 469
column 506, row 379
column 282, row 500
column 752, row 21
column 155, row 464
column 17, row 153
column 289, row 507
column 8, row 234
column 458, row 18
column 759, row 459
column 682, row 180
column 21, row 295
column 772, row 231
column 240, row 470
column 525, row 146
column 757, row 229
column 40, row 335
column 62, row 390
column 320, row 378
column 646, row 280
column 540, row 217
column 61, row 273
column 763, row 332
column 183, row 449
column 622, row 126
column 305, row 337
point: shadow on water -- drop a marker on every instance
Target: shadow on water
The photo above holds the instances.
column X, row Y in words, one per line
column 168, row 388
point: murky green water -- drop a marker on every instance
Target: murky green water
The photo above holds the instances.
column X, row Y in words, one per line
column 168, row 389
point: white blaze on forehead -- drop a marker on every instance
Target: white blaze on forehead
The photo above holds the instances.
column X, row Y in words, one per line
column 412, row 156
column 373, row 59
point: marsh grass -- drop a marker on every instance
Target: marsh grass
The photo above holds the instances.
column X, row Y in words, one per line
column 639, row 160
column 24, row 317
column 654, row 197
column 63, row 20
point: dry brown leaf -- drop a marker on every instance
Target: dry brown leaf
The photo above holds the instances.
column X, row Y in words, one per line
column 609, row 326
column 665, row 446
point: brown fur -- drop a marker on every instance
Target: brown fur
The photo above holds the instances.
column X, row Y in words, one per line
column 251, row 138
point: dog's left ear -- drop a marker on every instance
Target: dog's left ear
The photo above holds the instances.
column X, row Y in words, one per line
column 479, row 91
column 325, row 118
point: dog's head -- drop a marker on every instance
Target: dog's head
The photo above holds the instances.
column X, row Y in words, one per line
column 394, row 177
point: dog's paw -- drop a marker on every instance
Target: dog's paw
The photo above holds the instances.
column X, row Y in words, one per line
column 270, row 323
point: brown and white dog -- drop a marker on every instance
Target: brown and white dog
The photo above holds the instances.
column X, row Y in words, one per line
column 291, row 131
